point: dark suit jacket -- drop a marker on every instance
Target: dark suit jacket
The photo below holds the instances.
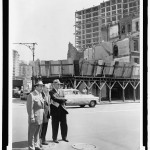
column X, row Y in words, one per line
column 46, row 107
column 57, row 101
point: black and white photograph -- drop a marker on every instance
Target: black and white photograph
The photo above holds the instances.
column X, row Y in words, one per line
column 76, row 71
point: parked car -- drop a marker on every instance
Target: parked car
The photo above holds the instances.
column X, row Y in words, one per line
column 75, row 97
column 24, row 94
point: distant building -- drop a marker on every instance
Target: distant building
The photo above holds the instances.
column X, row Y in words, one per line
column 15, row 63
column 25, row 71
column 73, row 53
column 92, row 24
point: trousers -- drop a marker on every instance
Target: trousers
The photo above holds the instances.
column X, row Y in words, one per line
column 33, row 136
column 44, row 130
column 61, row 119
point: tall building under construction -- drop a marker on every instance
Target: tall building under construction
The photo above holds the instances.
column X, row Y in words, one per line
column 89, row 22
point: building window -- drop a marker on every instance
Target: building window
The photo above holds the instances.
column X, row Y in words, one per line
column 108, row 3
column 95, row 34
column 137, row 26
column 115, row 51
column 119, row 11
column 113, row 7
column 83, row 32
column 134, row 4
column 103, row 15
column 123, row 29
column 108, row 20
column 108, row 14
column 102, row 5
column 88, row 36
column 88, row 31
column 119, row 17
column 88, row 41
column 103, row 10
column 95, row 24
column 113, row 2
column 88, row 20
column 136, row 60
column 88, row 10
column 88, row 16
column 83, row 36
column 113, row 12
column 107, row 8
column 119, row 1
column 135, row 45
column 103, row 20
column 114, row 18
column 129, row 27
column 119, row 6
column 95, row 8
column 125, row 1
column 125, row 6
column 95, row 14
column 95, row 19
column 88, row 26
column 130, row 4
column 125, row 11
column 95, row 29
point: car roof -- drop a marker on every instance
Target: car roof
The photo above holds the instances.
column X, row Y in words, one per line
column 70, row 90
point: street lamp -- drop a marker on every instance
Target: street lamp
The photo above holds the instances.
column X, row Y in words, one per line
column 31, row 46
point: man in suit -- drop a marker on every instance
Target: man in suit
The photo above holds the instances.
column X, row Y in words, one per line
column 35, row 110
column 46, row 97
column 58, row 113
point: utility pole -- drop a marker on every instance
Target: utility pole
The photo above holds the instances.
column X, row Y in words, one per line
column 31, row 46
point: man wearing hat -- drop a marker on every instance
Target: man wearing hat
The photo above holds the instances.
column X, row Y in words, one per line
column 35, row 110
column 46, row 97
column 58, row 112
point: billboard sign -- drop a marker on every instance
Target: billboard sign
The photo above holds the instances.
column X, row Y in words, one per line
column 113, row 31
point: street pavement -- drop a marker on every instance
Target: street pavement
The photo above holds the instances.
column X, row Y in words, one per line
column 107, row 126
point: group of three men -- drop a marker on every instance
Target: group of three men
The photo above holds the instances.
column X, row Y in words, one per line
column 41, row 104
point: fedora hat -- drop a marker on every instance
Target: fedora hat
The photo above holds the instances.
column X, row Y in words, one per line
column 57, row 81
column 39, row 83
column 46, row 85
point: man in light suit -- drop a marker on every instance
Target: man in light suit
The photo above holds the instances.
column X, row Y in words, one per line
column 35, row 110
column 46, row 117
column 58, row 113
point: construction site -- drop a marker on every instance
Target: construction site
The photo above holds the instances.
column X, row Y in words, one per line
column 106, row 57
column 105, row 71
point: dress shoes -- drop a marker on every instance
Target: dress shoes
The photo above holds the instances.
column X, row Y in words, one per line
column 66, row 140
column 44, row 143
column 38, row 148
column 55, row 141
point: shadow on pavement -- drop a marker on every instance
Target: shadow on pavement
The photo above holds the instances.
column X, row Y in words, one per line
column 77, row 107
column 21, row 144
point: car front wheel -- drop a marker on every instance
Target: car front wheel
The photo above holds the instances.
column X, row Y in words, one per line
column 92, row 104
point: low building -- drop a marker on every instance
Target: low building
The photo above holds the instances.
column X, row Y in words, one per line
column 15, row 63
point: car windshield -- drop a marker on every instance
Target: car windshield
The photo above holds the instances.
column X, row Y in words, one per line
column 72, row 92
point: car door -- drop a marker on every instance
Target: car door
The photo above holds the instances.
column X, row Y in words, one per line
column 71, row 98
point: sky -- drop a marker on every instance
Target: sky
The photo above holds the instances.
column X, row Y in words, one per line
column 49, row 23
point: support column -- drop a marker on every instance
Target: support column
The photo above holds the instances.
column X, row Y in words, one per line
column 110, row 92
column 75, row 82
column 100, row 95
column 134, row 92
column 123, row 93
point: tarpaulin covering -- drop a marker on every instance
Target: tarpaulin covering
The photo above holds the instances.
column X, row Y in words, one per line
column 123, row 47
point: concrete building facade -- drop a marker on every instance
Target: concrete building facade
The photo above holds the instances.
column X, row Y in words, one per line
column 91, row 25
column 15, row 63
